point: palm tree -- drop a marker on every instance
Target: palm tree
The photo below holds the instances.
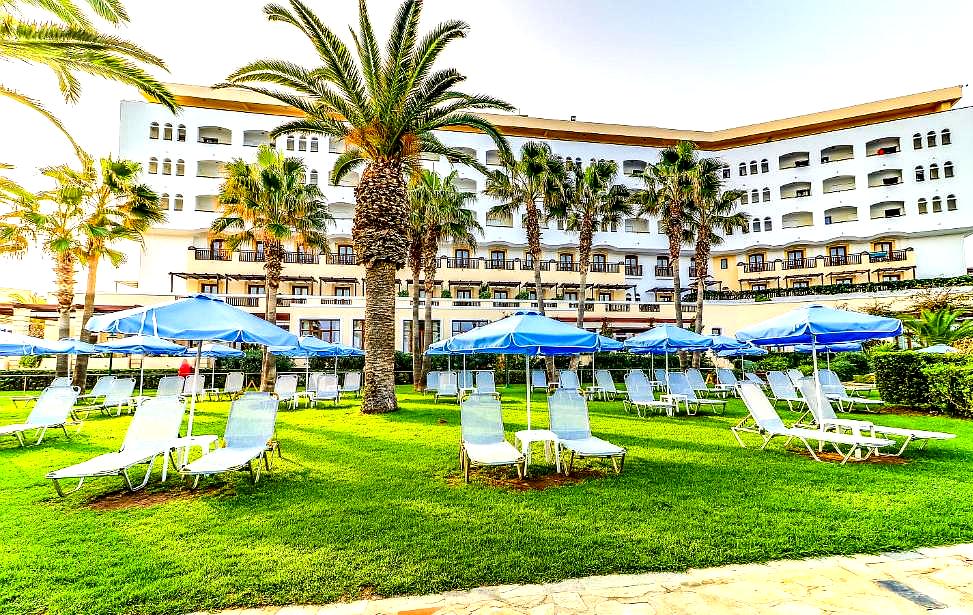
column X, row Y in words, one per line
column 114, row 202
column 713, row 214
column 70, row 46
column 939, row 327
column 593, row 202
column 267, row 203
column 384, row 107
column 447, row 218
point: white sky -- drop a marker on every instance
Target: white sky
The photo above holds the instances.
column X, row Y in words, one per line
column 700, row 65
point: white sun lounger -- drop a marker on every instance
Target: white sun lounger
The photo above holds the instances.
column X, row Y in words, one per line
column 680, row 388
column 569, row 422
column 538, row 380
column 170, row 386
column 52, row 411
column 486, row 383
column 764, row 421
column 432, row 382
column 99, row 391
column 605, row 383
column 232, row 387
column 639, row 396
column 327, row 390
column 795, row 376
column 637, row 374
column 783, row 389
column 727, row 378
column 568, row 379
column 119, row 398
column 835, row 391
column 661, row 376
column 249, row 431
column 352, row 383
column 483, row 441
column 153, row 433
column 285, row 388
column 56, row 383
column 448, row 386
column 757, row 380
column 824, row 417
column 194, row 385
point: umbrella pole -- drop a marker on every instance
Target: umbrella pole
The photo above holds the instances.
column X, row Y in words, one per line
column 527, row 373
column 817, row 378
column 141, row 374
column 192, row 402
column 212, row 375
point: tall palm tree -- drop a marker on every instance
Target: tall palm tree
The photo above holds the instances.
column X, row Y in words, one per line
column 268, row 203
column 939, row 327
column 447, row 218
column 116, row 203
column 714, row 214
column 593, row 201
column 71, row 45
column 384, row 107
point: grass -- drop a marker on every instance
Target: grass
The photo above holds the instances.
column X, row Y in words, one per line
column 375, row 505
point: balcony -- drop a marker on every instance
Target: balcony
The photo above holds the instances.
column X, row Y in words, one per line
column 649, row 307
column 256, row 138
column 212, row 255
column 496, row 263
column 342, row 259
column 251, row 256
column 238, row 301
column 791, row 264
column 663, row 272
column 839, row 183
column 882, row 147
column 887, row 209
column 759, row 267
column 885, row 177
column 215, row 135
column 837, row 153
column 618, row 307
column 462, row 263
column 211, row 169
column 568, row 266
column 602, row 267
column 633, row 270
column 794, row 160
column 302, row 258
column 797, row 219
column 837, row 215
column 841, row 261
column 795, row 190
column 633, row 168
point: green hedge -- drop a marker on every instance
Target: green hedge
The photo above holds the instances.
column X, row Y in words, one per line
column 833, row 289
column 846, row 365
column 951, row 388
column 901, row 377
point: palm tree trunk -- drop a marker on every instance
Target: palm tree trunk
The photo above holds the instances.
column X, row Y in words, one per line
column 64, row 276
column 584, row 258
column 674, row 230
column 429, row 253
column 533, row 228
column 273, row 265
column 417, row 382
column 81, row 362
column 378, row 395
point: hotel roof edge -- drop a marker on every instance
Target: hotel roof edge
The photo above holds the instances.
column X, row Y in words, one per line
column 910, row 105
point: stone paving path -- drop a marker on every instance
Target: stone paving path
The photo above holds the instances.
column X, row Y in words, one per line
column 935, row 581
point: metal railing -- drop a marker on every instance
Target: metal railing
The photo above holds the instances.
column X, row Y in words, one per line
column 203, row 254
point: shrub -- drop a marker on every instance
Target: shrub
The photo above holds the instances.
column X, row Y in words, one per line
column 30, row 361
column 900, row 377
column 251, row 362
column 774, row 363
column 950, row 388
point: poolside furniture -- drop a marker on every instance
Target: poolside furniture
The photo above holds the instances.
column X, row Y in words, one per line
column 639, row 396
column 312, row 383
column 169, row 386
column 783, row 390
column 119, row 398
column 757, row 380
column 835, row 391
column 232, row 387
column 52, row 411
column 570, row 423
column 823, row 417
column 636, row 373
column 249, row 431
column 606, row 386
column 98, row 392
column 661, row 376
column 681, row 390
column 699, row 385
column 448, row 386
column 538, row 380
column 432, row 382
column 194, row 386
column 352, row 383
column 483, row 442
column 327, row 390
column 764, row 421
column 285, row 388
column 568, row 379
column 486, row 383
column 464, row 381
column 56, row 383
column 796, row 376
column 153, row 433
column 727, row 378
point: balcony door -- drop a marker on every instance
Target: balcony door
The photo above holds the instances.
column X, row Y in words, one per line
column 599, row 262
column 838, row 255
column 462, row 257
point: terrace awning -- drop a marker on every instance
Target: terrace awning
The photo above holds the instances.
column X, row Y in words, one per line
column 345, row 280
column 844, row 273
column 894, row 269
column 507, row 284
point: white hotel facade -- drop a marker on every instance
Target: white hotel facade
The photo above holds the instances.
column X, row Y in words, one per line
column 871, row 193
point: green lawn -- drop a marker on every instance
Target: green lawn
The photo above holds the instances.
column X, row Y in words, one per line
column 375, row 505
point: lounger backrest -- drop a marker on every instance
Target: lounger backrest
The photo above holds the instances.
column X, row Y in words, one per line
column 754, row 378
column 312, row 381
column 481, row 420
column 102, row 386
column 352, row 381
column 155, row 424
column 447, row 383
column 327, row 383
column 432, row 380
column 679, row 385
column 251, row 421
column 796, row 376
column 60, row 382
column 194, row 385
column 538, row 378
column 234, row 382
column 485, row 382
column 53, row 406
column 727, row 377
column 637, row 373
column 660, row 375
column 120, row 392
column 636, row 376
column 569, row 415
column 817, row 401
column 169, row 386
column 781, row 386
column 638, row 389
column 285, row 385
column 603, row 378
column 568, row 379
column 464, row 380
column 830, row 382
column 696, row 379
column 760, row 408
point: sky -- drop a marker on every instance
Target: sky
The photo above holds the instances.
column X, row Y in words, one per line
column 700, row 65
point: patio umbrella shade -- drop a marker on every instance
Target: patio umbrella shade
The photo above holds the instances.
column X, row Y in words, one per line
column 666, row 339
column 145, row 346
column 309, row 346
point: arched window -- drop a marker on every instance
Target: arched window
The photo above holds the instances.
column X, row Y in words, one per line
column 302, row 144
column 743, row 169
column 754, row 196
column 177, row 203
column 290, row 143
column 167, row 132
column 756, row 225
column 931, row 138
column 917, row 141
column 946, row 140
column 180, row 167
column 948, row 169
column 753, row 167
column 314, row 144
column 934, row 171
column 164, row 200
column 167, row 167
column 744, row 198
column 920, row 173
column 181, row 133
column 766, row 195
column 937, row 204
column 764, row 166
column 154, row 130
column 768, row 225
column 153, row 165
column 314, row 177
column 726, row 171
column 951, row 202
column 923, row 206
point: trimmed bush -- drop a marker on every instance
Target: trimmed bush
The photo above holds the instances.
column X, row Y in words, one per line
column 901, row 379
column 950, row 388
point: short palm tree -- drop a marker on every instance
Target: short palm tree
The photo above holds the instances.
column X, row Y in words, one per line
column 70, row 46
column 593, row 201
column 268, row 203
column 939, row 327
column 447, row 217
column 116, row 203
column 384, row 107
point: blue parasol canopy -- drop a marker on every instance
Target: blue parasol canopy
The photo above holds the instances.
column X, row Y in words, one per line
column 310, row 346
column 218, row 351
column 667, row 339
column 145, row 345
column 723, row 343
column 816, row 324
column 67, row 345
column 744, row 351
column 525, row 332
column 832, row 348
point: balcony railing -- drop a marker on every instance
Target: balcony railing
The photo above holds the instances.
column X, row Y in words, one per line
column 759, row 267
column 888, row 257
column 462, row 263
column 663, row 272
column 605, row 267
column 304, row 258
column 251, row 256
column 497, row 263
column 633, row 270
column 799, row 263
column 244, row 301
column 618, row 307
column 688, row 307
column 649, row 307
column 567, row 266
column 212, row 255
column 342, row 259
column 840, row 261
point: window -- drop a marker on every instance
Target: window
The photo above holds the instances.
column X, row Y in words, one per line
column 164, row 200
column 501, row 294
column 302, row 144
column 599, row 262
column 177, row 203
column 181, row 133
column 743, row 169
column 346, row 255
column 314, row 144
column 726, row 171
column 565, row 262
column 407, row 333
column 724, row 263
column 753, row 167
column 342, row 291
column 843, row 281
column 302, row 290
column 255, row 289
column 764, row 166
column 216, row 245
column 744, row 198
column 838, row 255
column 327, row 329
column 795, row 256
column 571, row 295
column 290, row 143
column 167, row 132
column 758, row 287
column 891, row 277
column 934, row 171
column 766, row 195
column 462, row 326
column 917, row 141
column 920, row 174
column 923, row 206
column 208, row 288
column 464, row 293
column 167, row 167
column 754, row 196
column 180, row 167
column 931, row 138
column 358, row 333
column 153, row 165
column 462, row 257
column 661, row 261
column 800, row 284
column 756, row 261
column 604, row 296
column 937, row 205
column 498, row 257
column 755, row 224
column 768, row 225
column 154, row 130
column 946, row 139
column 948, row 169
column 882, row 247
column 951, row 202
column 313, row 177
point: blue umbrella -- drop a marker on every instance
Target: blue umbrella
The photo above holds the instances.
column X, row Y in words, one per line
column 666, row 339
column 831, row 348
column 17, row 345
column 745, row 351
column 70, row 345
column 142, row 345
column 938, row 349
column 309, row 346
column 723, row 343
column 220, row 351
